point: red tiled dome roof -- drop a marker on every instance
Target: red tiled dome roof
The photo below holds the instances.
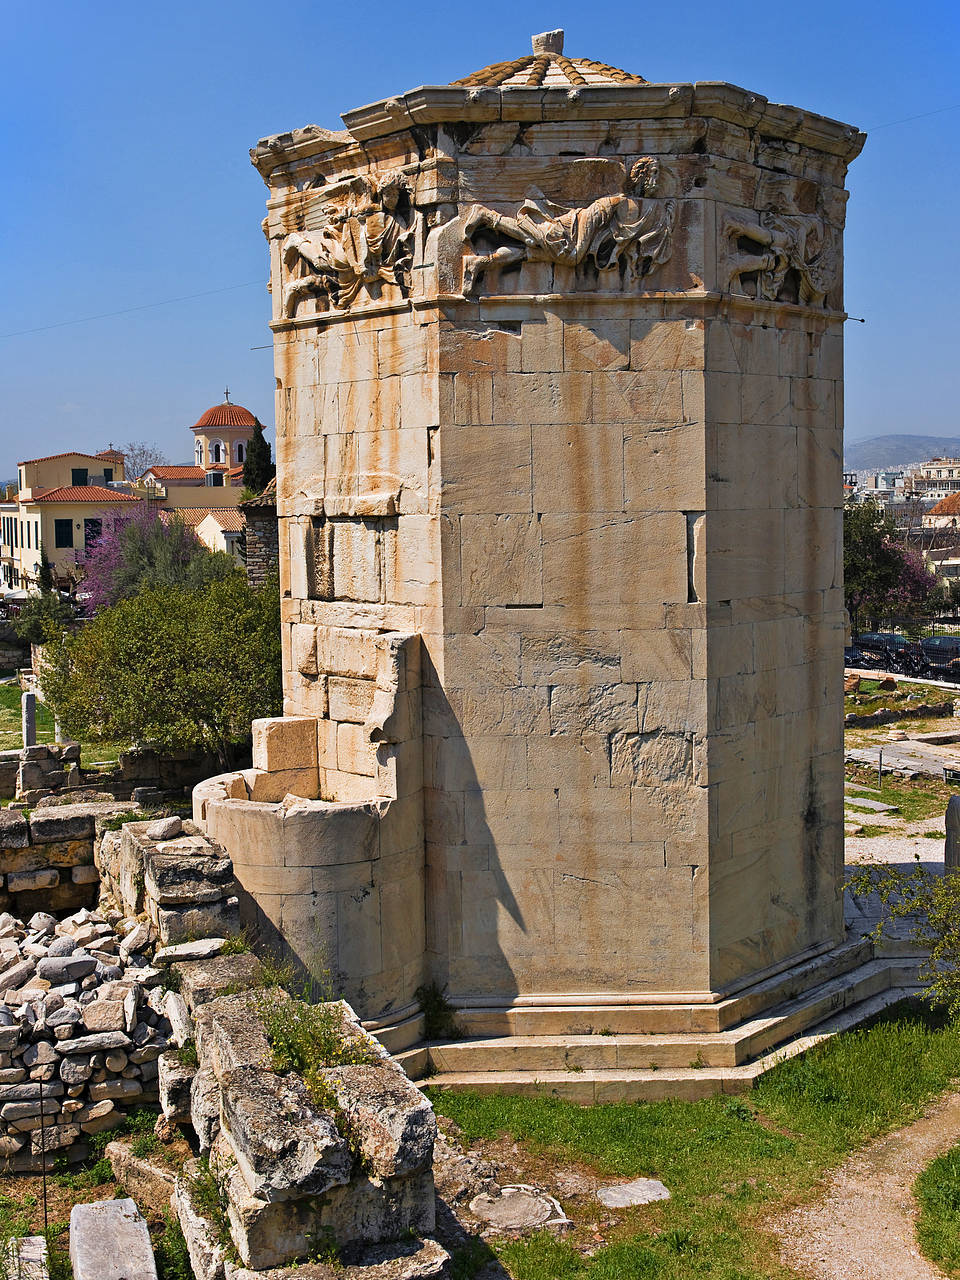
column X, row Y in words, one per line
column 226, row 415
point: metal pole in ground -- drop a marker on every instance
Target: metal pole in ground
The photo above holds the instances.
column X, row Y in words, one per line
column 43, row 1160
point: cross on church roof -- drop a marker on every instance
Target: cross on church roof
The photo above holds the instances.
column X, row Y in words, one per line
column 226, row 395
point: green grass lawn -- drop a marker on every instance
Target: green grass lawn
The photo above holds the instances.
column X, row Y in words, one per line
column 938, row 1226
column 916, row 798
column 11, row 739
column 729, row 1162
column 10, row 736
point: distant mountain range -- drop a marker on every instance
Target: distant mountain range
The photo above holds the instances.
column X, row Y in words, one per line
column 897, row 451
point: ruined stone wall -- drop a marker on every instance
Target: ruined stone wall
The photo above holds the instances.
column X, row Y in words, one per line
column 263, row 544
column 47, row 860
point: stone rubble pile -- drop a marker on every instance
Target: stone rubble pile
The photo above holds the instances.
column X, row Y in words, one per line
column 293, row 1172
column 170, row 871
column 82, row 1025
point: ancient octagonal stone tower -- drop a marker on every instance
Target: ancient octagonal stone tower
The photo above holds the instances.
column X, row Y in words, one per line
column 559, row 390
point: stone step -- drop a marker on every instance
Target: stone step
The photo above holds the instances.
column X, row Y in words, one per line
column 652, row 1019
column 653, row 1051
column 689, row 1083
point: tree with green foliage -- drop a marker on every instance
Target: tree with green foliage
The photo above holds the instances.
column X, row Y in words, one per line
column 45, row 572
column 872, row 560
column 926, row 905
column 174, row 667
column 258, row 465
column 42, row 618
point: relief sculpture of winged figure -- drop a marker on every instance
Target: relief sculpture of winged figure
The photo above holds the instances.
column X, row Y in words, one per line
column 363, row 244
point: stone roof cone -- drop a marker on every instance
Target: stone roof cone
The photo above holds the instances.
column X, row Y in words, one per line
column 546, row 67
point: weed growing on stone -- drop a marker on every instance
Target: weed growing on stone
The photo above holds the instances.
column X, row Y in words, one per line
column 187, row 1054
column 210, row 1201
column 237, row 944
column 729, row 1163
column 306, row 1038
column 170, row 1251
column 439, row 1015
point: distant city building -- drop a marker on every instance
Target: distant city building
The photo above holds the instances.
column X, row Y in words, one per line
column 936, row 479
column 60, row 501
column 59, row 505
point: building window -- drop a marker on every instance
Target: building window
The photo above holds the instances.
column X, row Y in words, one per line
column 214, row 479
column 217, row 451
column 92, row 529
column 240, row 452
column 79, row 477
column 63, row 533
column 108, row 475
column 199, row 453
column 28, row 533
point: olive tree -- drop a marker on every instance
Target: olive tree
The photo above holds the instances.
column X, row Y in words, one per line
column 172, row 667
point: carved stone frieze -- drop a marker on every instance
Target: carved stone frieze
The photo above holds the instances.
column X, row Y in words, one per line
column 762, row 255
column 363, row 242
column 619, row 238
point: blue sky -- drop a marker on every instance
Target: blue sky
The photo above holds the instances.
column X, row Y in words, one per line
column 125, row 130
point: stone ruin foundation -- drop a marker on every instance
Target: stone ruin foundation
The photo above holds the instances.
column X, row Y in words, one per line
column 142, row 1001
column 559, row 415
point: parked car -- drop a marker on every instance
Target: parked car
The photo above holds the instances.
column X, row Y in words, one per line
column 875, row 647
column 943, row 656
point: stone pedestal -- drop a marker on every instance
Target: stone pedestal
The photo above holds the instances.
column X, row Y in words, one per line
column 559, row 368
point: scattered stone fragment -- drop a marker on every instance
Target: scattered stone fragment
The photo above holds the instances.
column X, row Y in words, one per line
column 518, row 1208
column 201, row 949
column 164, row 829
column 109, row 1240
column 621, row 1195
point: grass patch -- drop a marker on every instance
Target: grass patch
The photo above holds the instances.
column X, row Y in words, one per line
column 868, row 831
column 870, row 697
column 10, row 736
column 170, row 1250
column 187, row 1054
column 938, row 1225
column 916, row 798
column 729, row 1162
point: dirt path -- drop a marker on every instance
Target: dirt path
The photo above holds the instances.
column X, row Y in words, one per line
column 862, row 1227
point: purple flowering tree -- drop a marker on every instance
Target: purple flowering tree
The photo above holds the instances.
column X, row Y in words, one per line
column 142, row 550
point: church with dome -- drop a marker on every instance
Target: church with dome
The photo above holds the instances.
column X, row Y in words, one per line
column 221, row 437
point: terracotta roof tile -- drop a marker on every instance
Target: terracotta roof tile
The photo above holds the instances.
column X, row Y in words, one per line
column 949, row 506
column 193, row 515
column 229, row 519
column 175, row 473
column 82, row 493
column 547, row 68
column 226, row 415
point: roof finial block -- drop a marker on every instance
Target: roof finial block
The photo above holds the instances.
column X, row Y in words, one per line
column 548, row 41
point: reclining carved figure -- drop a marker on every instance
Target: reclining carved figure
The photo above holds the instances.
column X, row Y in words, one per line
column 632, row 230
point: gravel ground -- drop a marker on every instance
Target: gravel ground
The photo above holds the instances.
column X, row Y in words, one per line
column 862, row 1226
